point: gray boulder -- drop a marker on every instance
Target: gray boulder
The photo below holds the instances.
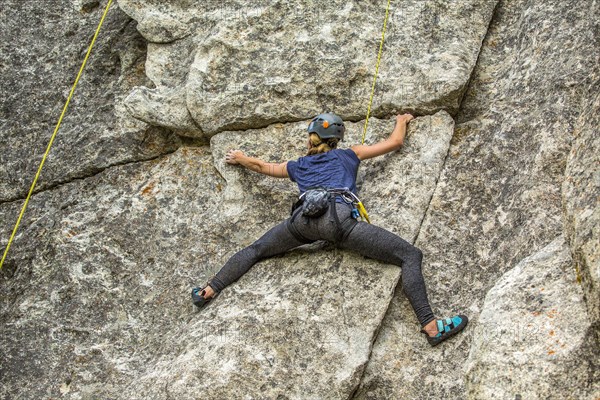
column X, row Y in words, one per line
column 499, row 198
column 581, row 199
column 95, row 292
column 236, row 65
column 42, row 49
column 534, row 336
column 104, row 304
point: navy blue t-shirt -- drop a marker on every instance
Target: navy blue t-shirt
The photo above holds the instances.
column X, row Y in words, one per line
column 333, row 169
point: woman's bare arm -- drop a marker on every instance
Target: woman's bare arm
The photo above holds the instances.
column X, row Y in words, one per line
column 277, row 170
column 394, row 142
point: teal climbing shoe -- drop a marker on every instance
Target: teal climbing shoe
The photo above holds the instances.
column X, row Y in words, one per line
column 447, row 327
column 198, row 296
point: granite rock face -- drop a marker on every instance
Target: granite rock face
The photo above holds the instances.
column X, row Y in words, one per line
column 136, row 204
column 43, row 46
column 581, row 200
column 534, row 319
column 237, row 65
column 499, row 198
column 109, row 290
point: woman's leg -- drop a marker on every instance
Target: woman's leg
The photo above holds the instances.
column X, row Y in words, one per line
column 276, row 241
column 380, row 244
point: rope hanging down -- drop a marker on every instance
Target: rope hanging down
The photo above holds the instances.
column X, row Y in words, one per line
column 361, row 208
column 37, row 175
column 387, row 10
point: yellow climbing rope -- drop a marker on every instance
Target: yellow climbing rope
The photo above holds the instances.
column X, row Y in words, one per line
column 387, row 11
column 37, row 175
column 361, row 208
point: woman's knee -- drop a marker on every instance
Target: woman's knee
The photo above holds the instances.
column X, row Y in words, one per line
column 262, row 248
column 418, row 254
column 414, row 256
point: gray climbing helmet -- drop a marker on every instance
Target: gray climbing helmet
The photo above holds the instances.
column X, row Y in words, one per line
column 327, row 125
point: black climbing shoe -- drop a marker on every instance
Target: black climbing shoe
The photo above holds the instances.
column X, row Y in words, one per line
column 447, row 327
column 198, row 296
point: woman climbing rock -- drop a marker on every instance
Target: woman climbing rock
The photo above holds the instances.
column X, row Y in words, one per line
column 328, row 209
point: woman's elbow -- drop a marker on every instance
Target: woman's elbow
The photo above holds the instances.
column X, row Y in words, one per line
column 397, row 143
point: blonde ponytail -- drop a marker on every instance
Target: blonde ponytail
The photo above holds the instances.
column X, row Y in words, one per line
column 319, row 146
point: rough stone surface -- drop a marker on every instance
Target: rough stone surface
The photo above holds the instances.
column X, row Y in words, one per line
column 499, row 196
column 237, row 64
column 581, row 199
column 94, row 296
column 534, row 319
column 43, row 46
column 109, row 289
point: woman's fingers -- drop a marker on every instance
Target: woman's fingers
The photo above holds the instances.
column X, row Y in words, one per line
column 404, row 118
column 231, row 156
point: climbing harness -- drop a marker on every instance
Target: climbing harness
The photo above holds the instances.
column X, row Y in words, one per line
column 315, row 202
column 323, row 200
column 358, row 209
column 37, row 175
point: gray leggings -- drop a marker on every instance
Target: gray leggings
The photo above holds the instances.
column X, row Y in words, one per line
column 361, row 237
